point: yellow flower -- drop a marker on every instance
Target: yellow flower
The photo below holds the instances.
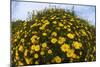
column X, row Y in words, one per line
column 37, row 48
column 25, row 53
column 77, row 26
column 77, row 57
column 36, row 20
column 71, row 54
column 53, row 17
column 77, row 21
column 68, row 26
column 36, row 62
column 86, row 28
column 35, row 24
column 64, row 21
column 28, row 60
column 25, row 23
column 36, row 56
column 21, row 48
column 33, row 38
column 44, row 45
column 15, row 40
column 54, row 22
column 94, row 48
column 71, row 36
column 17, row 55
column 68, row 29
column 53, row 40
column 20, row 63
column 83, row 32
column 34, row 32
column 72, row 19
column 77, row 45
column 49, row 51
column 81, row 53
column 60, row 24
column 48, row 30
column 31, row 51
column 54, row 34
column 22, row 40
column 42, row 28
column 57, row 59
column 42, row 53
column 44, row 34
column 58, row 28
column 61, row 40
column 64, row 16
column 74, row 56
column 42, row 20
column 46, row 22
column 65, row 47
column 65, row 27
column 32, row 47
column 17, row 32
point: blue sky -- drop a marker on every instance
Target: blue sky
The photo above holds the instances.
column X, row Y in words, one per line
column 20, row 10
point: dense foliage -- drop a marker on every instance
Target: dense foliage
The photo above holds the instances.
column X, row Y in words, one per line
column 52, row 36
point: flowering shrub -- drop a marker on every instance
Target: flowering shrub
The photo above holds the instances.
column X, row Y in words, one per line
column 52, row 36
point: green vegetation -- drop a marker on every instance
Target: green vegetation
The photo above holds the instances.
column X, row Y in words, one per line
column 52, row 36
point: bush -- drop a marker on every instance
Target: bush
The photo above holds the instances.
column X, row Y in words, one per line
column 52, row 36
